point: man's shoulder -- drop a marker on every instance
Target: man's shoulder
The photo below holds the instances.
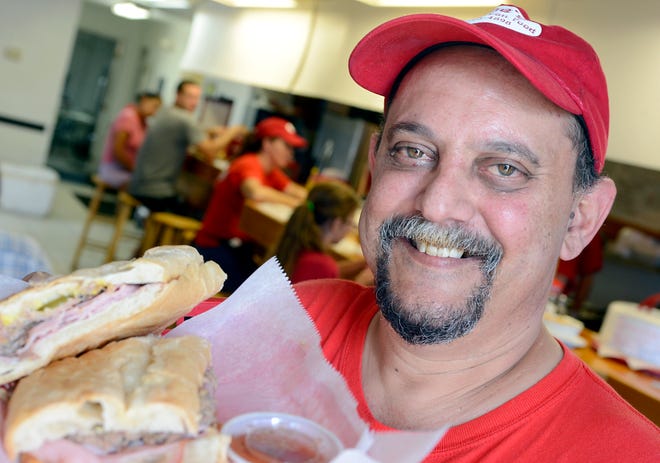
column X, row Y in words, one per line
column 174, row 114
column 614, row 422
column 245, row 166
column 247, row 159
column 128, row 112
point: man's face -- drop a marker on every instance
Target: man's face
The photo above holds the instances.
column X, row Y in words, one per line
column 474, row 177
column 280, row 151
column 188, row 97
column 148, row 106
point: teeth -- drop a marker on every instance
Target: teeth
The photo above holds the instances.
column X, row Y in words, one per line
column 456, row 253
column 435, row 251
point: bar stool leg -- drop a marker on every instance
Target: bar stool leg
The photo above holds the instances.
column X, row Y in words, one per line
column 125, row 208
column 152, row 230
column 168, row 236
column 93, row 209
column 120, row 221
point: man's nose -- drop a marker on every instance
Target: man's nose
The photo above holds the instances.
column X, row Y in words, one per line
column 448, row 195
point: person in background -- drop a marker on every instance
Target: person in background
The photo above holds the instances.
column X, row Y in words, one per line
column 486, row 171
column 256, row 176
column 324, row 219
column 172, row 135
column 124, row 139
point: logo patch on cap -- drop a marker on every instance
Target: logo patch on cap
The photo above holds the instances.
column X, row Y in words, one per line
column 511, row 18
column 289, row 127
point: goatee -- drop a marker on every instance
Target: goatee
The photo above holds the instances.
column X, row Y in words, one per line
column 441, row 323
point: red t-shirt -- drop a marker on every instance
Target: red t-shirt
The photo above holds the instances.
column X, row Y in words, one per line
column 223, row 214
column 570, row 415
column 312, row 265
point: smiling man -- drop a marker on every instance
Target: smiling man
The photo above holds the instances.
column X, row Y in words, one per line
column 486, row 171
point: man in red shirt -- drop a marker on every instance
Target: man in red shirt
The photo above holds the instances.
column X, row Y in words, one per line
column 486, row 171
column 257, row 176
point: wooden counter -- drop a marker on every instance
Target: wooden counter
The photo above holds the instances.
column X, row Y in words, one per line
column 265, row 223
column 196, row 180
column 640, row 389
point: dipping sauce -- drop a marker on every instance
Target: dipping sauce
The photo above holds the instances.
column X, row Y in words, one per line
column 277, row 446
column 279, row 438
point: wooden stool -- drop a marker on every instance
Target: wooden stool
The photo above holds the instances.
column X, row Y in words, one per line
column 92, row 216
column 163, row 228
column 125, row 206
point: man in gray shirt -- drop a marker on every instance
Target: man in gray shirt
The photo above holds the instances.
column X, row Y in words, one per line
column 173, row 133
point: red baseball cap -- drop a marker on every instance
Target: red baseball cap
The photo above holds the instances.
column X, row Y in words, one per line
column 561, row 65
column 280, row 128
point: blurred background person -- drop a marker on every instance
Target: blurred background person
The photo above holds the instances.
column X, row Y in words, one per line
column 173, row 134
column 255, row 175
column 324, row 219
column 124, row 139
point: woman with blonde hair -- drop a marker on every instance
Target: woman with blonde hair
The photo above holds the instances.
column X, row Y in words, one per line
column 315, row 225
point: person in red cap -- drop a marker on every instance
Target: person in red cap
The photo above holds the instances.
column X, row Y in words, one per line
column 486, row 171
column 257, row 176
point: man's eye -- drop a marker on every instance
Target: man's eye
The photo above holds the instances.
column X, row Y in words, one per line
column 413, row 152
column 506, row 170
column 408, row 151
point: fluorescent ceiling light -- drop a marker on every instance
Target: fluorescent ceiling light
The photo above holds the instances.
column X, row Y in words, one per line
column 130, row 10
column 431, row 3
column 167, row 4
column 259, row 3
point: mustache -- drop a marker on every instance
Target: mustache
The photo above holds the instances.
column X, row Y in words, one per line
column 416, row 228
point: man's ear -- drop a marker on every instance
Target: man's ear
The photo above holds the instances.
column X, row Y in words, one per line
column 589, row 212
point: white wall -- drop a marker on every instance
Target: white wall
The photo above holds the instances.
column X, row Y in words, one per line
column 242, row 95
column 166, row 42
column 36, row 41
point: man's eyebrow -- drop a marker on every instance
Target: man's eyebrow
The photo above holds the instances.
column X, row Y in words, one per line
column 408, row 127
column 518, row 149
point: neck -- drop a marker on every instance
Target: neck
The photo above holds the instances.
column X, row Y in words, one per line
column 450, row 383
column 266, row 161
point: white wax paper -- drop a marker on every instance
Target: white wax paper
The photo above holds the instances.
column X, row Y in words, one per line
column 267, row 357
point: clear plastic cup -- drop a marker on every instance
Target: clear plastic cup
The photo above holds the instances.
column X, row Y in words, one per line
column 267, row 437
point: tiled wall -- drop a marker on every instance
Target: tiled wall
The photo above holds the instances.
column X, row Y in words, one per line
column 638, row 195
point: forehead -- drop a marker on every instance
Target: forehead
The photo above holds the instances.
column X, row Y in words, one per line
column 474, row 65
column 191, row 89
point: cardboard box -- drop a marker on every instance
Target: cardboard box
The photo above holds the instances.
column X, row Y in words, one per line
column 27, row 189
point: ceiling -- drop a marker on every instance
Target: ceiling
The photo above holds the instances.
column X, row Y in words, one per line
column 162, row 9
